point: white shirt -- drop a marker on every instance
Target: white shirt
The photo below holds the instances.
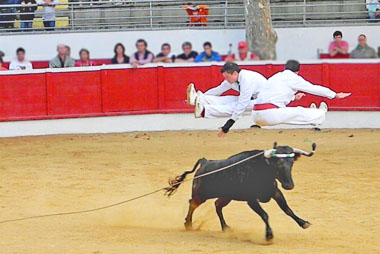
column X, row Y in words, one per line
column 24, row 65
column 248, row 85
column 282, row 87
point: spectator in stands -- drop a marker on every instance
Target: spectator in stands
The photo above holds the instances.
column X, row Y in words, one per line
column 142, row 56
column 68, row 50
column 338, row 46
column 20, row 63
column 165, row 55
column 8, row 15
column 2, row 68
column 188, row 54
column 208, row 55
column 243, row 54
column 120, row 56
column 48, row 13
column 198, row 14
column 84, row 60
column 363, row 50
column 373, row 7
column 62, row 60
column 27, row 13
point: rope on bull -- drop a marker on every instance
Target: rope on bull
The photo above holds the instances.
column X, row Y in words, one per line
column 169, row 190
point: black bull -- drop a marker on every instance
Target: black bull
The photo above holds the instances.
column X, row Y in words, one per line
column 253, row 180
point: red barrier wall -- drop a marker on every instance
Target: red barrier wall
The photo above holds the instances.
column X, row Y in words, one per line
column 100, row 92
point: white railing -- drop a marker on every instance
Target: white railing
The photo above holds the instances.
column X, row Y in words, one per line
column 171, row 14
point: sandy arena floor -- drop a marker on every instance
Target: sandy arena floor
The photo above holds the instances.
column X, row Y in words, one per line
column 337, row 190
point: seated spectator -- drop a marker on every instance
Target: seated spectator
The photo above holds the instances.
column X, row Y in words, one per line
column 243, row 54
column 373, row 7
column 165, row 56
column 208, row 55
column 62, row 60
column 2, row 68
column 27, row 13
column 363, row 50
column 198, row 14
column 20, row 63
column 142, row 56
column 84, row 60
column 338, row 46
column 48, row 13
column 120, row 57
column 188, row 55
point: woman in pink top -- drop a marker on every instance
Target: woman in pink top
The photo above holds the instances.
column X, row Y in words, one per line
column 338, row 46
column 84, row 55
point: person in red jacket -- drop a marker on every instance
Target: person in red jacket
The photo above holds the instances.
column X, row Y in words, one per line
column 198, row 14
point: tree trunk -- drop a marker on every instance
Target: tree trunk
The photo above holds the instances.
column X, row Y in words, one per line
column 260, row 35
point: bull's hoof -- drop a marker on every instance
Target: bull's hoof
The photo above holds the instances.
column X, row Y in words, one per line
column 269, row 236
column 188, row 225
column 306, row 225
column 226, row 228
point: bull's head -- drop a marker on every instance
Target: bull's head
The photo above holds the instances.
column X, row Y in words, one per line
column 281, row 158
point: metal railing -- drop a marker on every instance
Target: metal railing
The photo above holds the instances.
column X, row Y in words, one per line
column 170, row 14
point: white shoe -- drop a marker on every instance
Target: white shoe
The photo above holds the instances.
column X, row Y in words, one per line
column 191, row 94
column 323, row 106
column 313, row 105
column 199, row 107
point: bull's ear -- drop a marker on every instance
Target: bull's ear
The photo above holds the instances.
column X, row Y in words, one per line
column 274, row 145
column 296, row 156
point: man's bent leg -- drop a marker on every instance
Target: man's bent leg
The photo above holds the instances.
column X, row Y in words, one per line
column 289, row 115
column 216, row 100
column 214, row 111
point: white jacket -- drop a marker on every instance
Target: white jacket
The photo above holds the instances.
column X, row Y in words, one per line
column 282, row 87
column 248, row 85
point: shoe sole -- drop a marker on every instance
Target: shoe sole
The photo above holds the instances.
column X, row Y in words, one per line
column 188, row 91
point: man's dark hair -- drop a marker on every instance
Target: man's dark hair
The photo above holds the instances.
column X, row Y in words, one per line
column 363, row 36
column 20, row 50
column 337, row 33
column 186, row 43
column 207, row 43
column 143, row 41
column 165, row 44
column 292, row 65
column 230, row 68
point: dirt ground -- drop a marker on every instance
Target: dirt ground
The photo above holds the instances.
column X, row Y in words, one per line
column 337, row 190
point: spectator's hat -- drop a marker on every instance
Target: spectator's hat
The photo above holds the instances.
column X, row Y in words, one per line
column 242, row 44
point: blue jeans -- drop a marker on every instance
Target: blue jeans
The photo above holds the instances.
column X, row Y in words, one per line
column 49, row 24
column 26, row 24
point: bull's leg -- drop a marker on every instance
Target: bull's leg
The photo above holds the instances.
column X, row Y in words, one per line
column 260, row 211
column 193, row 204
column 280, row 199
column 219, row 204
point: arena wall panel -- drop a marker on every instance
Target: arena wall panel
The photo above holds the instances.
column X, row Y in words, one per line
column 122, row 90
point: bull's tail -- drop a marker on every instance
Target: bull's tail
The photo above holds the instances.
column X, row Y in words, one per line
column 176, row 182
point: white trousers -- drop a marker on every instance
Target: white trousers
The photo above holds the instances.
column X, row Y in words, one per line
column 289, row 115
column 220, row 106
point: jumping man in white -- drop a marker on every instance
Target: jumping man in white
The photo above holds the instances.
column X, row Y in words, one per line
column 212, row 105
column 281, row 89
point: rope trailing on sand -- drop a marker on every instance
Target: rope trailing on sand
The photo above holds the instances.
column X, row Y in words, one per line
column 131, row 199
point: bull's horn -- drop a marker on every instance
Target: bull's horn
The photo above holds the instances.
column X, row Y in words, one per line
column 301, row 152
column 269, row 153
column 274, row 145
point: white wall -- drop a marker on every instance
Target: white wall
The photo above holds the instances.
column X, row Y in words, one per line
column 298, row 43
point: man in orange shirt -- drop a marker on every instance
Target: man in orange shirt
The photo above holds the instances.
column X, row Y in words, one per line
column 198, row 14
